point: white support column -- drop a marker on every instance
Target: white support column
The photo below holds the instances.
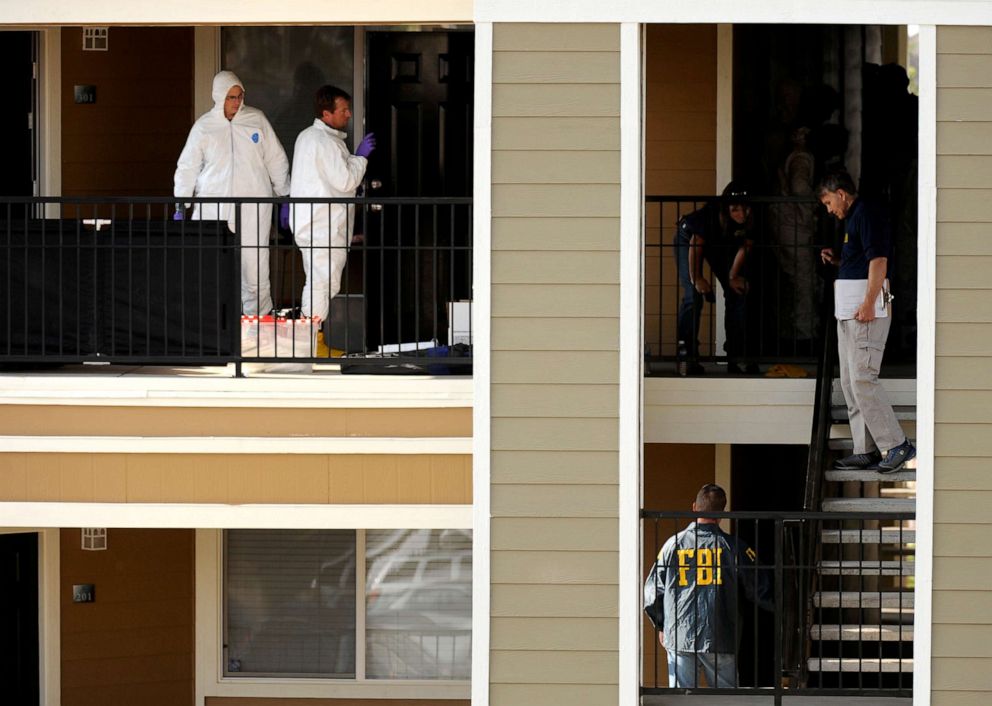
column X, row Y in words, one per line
column 206, row 64
column 481, row 439
column 926, row 313
column 50, row 115
column 49, row 622
column 721, row 476
column 724, row 105
column 631, row 358
column 724, row 147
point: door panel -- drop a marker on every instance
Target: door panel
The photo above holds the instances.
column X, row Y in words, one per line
column 419, row 105
column 17, row 57
column 19, row 619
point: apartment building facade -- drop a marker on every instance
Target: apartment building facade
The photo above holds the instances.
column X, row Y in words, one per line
column 530, row 476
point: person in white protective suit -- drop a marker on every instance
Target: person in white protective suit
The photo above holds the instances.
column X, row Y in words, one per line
column 232, row 151
column 323, row 167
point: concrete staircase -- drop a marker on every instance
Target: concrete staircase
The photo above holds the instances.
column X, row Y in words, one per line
column 862, row 631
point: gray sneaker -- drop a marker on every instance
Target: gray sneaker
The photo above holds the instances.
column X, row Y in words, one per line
column 896, row 457
column 858, row 462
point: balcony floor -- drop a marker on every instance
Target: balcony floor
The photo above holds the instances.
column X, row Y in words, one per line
column 135, row 385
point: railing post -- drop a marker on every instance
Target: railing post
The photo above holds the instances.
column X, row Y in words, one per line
column 779, row 587
column 236, row 316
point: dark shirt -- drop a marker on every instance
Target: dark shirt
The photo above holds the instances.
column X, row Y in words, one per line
column 867, row 235
column 706, row 223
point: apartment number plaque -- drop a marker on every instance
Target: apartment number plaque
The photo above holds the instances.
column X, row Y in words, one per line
column 84, row 94
column 83, row 593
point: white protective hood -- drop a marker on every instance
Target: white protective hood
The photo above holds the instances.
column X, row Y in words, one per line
column 223, row 82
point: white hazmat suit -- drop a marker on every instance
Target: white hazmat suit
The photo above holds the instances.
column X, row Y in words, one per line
column 234, row 158
column 323, row 167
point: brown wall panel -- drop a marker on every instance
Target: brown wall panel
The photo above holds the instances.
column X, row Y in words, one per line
column 134, row 643
column 680, row 108
column 237, row 478
column 679, row 157
column 128, row 141
column 673, row 474
column 71, row 420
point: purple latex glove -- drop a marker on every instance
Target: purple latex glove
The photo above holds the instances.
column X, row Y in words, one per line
column 366, row 146
column 284, row 216
column 178, row 215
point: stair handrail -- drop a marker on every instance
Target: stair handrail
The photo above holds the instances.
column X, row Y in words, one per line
column 815, row 466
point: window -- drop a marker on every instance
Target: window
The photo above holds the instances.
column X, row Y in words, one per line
column 418, row 610
column 291, row 602
column 282, row 67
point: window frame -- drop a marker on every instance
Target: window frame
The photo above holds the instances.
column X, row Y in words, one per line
column 210, row 636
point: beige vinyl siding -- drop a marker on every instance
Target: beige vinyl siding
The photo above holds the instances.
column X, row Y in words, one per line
column 555, row 330
column 679, row 159
column 962, row 570
column 236, row 479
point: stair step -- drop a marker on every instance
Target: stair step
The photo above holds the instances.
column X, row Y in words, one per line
column 867, row 568
column 844, row 442
column 887, row 535
column 869, row 505
column 862, row 633
column 856, row 599
column 888, row 665
column 902, row 411
column 868, row 476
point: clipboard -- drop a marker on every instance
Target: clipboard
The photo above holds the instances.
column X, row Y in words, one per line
column 850, row 293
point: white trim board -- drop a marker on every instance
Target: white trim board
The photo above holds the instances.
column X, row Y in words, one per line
column 236, row 445
column 926, row 316
column 225, row 12
column 631, row 359
column 50, row 109
column 330, row 392
column 898, row 12
column 481, row 360
column 209, row 516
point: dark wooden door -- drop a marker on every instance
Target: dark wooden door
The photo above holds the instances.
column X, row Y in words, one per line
column 419, row 105
column 19, row 619
column 17, row 118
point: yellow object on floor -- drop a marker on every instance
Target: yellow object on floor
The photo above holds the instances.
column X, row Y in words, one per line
column 322, row 349
column 786, row 370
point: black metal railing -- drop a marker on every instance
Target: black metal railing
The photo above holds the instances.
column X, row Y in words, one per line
column 149, row 281
column 772, row 317
column 855, row 641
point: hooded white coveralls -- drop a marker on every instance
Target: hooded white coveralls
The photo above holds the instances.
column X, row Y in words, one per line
column 323, row 167
column 232, row 158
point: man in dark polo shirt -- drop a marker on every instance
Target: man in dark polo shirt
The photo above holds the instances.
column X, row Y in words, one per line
column 879, row 442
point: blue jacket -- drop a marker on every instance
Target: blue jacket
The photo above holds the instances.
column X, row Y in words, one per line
column 696, row 581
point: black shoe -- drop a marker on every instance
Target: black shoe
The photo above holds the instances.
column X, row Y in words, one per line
column 858, row 462
column 738, row 369
column 896, row 457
